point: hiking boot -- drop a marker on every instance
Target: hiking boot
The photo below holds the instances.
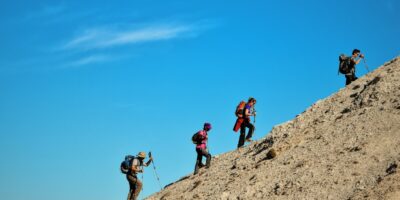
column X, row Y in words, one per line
column 208, row 162
column 249, row 140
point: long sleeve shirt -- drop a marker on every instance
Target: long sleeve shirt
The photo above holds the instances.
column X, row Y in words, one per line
column 203, row 143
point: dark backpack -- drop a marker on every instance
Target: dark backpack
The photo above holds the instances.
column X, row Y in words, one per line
column 126, row 165
column 196, row 138
column 344, row 64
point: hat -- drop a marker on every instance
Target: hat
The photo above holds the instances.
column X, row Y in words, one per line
column 207, row 126
column 141, row 154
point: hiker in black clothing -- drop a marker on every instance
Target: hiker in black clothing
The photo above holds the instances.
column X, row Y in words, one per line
column 135, row 185
column 247, row 112
column 354, row 60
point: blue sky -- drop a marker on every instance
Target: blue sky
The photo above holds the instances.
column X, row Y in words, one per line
column 83, row 83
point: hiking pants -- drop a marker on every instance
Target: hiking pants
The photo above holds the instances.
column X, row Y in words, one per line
column 199, row 162
column 135, row 185
column 350, row 78
column 242, row 137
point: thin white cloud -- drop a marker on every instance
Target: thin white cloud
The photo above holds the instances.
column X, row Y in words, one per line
column 105, row 38
column 146, row 35
column 87, row 37
column 100, row 39
column 93, row 59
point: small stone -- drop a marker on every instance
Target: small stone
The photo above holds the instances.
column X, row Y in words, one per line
column 271, row 154
column 346, row 110
column 392, row 168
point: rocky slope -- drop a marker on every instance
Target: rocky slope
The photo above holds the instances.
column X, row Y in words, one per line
column 346, row 146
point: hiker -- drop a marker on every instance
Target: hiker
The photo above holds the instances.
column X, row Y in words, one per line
column 135, row 185
column 350, row 73
column 247, row 112
column 239, row 115
column 200, row 139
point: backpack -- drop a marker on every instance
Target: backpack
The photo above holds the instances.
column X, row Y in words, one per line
column 126, row 165
column 239, row 109
column 344, row 64
column 197, row 138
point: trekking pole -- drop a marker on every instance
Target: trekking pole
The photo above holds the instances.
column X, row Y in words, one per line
column 254, row 120
column 254, row 112
column 365, row 64
column 142, row 180
column 208, row 147
column 155, row 172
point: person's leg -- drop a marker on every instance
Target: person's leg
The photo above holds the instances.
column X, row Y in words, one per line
column 354, row 77
column 198, row 161
column 251, row 130
column 242, row 134
column 348, row 79
column 208, row 156
column 137, row 189
column 132, row 186
column 130, row 196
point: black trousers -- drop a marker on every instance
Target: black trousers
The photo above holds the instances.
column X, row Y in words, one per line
column 135, row 186
column 242, row 137
column 199, row 160
column 350, row 78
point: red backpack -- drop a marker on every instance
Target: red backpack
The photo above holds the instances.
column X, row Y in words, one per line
column 239, row 109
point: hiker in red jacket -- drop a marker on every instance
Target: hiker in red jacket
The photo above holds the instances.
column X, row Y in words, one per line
column 201, row 147
column 247, row 112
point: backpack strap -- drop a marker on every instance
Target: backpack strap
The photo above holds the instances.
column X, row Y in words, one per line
column 244, row 111
column 139, row 163
column 203, row 136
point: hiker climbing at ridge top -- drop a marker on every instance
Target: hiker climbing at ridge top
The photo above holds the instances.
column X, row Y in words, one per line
column 347, row 65
column 200, row 139
column 135, row 167
column 245, row 122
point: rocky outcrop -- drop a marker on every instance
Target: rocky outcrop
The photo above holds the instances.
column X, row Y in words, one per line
column 346, row 146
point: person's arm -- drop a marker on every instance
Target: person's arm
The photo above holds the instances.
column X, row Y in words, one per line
column 148, row 162
column 205, row 135
column 358, row 60
column 135, row 167
column 248, row 114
